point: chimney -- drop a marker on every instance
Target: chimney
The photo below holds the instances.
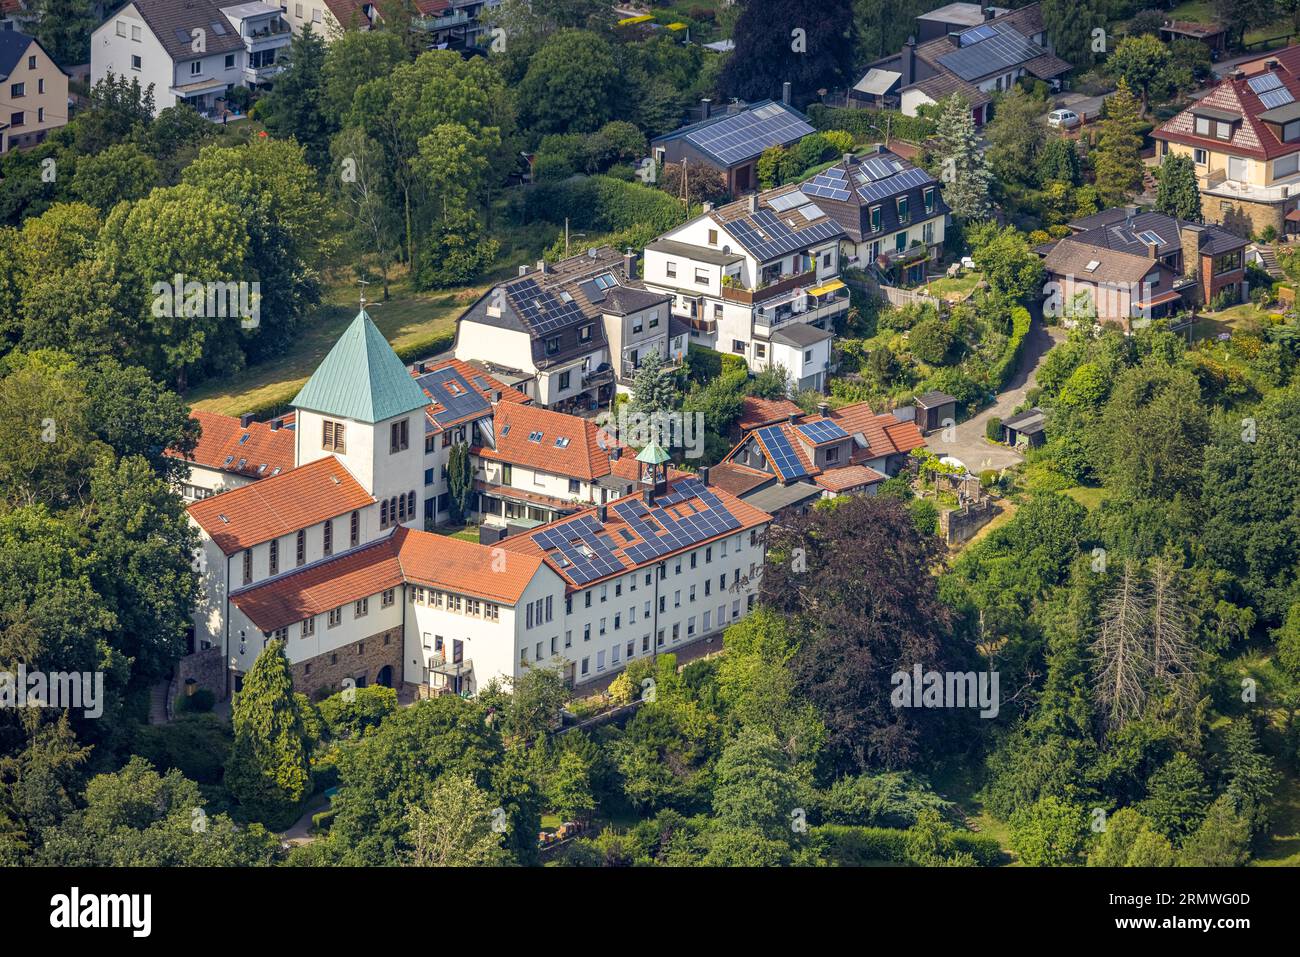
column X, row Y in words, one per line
column 1272, row 64
column 616, row 453
column 1130, row 211
column 848, row 160
column 954, row 39
column 1153, row 250
column 277, row 425
column 1189, row 236
column 990, row 13
column 523, row 270
column 785, row 92
column 422, row 367
column 246, row 420
column 824, row 409
column 542, row 267
column 706, row 108
column 704, row 474
column 629, row 264
column 794, row 417
column 496, row 395
column 708, row 206
column 909, row 63
column 648, row 496
column 753, row 202
column 601, row 514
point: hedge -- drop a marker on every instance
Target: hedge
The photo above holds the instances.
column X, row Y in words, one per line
column 604, row 204
column 914, row 129
column 850, row 845
column 1002, row 371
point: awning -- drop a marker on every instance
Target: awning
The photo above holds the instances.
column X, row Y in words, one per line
column 877, row 82
column 832, row 286
column 1161, row 299
column 202, row 86
column 1293, row 216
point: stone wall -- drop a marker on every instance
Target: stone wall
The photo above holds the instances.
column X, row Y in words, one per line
column 959, row 524
column 1242, row 218
column 361, row 660
column 206, row 667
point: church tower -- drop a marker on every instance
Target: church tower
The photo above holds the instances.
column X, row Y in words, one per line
column 362, row 406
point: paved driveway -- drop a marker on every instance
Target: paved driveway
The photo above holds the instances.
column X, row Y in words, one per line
column 968, row 444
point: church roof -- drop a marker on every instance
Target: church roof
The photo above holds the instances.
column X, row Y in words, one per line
column 361, row 378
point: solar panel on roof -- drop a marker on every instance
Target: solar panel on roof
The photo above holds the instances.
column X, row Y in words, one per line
column 768, row 237
column 744, row 135
column 1276, row 98
column 823, row 431
column 787, row 201
column 781, row 452
column 1003, row 48
column 981, row 32
column 450, row 390
column 909, row 178
column 811, row 211
column 824, row 190
column 1264, row 83
column 878, row 168
column 1147, row 236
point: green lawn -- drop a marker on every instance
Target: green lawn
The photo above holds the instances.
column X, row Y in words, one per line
column 466, row 533
column 1088, row 497
column 406, row 320
column 953, row 290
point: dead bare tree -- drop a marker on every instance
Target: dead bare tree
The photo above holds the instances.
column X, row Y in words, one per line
column 1173, row 655
column 1122, row 650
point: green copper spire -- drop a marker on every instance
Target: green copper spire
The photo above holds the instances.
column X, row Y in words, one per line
column 361, row 378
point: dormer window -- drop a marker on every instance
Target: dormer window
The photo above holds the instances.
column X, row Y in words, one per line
column 929, row 199
column 1223, row 130
column 584, row 334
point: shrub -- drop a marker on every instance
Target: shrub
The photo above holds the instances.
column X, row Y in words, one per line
column 988, row 478
column 200, row 702
column 196, row 745
column 866, row 125
column 993, row 429
column 854, row 846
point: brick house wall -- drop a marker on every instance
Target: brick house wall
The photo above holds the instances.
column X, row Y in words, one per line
column 362, row 660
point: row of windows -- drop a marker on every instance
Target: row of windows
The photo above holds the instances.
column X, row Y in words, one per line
column 398, row 509
column 460, row 604
column 334, row 617
column 300, row 546
column 19, row 90
column 542, row 651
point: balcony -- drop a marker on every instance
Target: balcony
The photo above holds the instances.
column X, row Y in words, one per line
column 784, row 311
column 439, row 665
column 785, row 284
column 1216, row 183
column 438, row 24
column 600, row 376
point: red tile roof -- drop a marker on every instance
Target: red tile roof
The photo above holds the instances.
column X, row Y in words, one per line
column 756, row 412
column 580, row 457
column 263, row 451
column 490, row 572
column 736, row 478
column 847, row 477
column 281, row 505
column 1252, row 137
column 620, row 534
column 882, row 432
column 405, row 556
column 323, row 586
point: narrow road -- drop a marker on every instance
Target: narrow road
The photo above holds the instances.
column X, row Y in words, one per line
column 968, row 444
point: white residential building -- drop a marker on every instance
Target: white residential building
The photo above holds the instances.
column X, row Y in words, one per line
column 571, row 334
column 745, row 274
column 194, row 51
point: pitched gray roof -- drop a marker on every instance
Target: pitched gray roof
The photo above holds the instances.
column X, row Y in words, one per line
column 174, row 22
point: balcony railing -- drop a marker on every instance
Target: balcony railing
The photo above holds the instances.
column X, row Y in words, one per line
column 776, row 315
column 783, row 285
column 439, row 665
column 1218, row 184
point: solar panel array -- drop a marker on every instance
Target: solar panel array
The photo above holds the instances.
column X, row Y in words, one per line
column 787, row 201
column 824, row 431
column 1275, row 98
column 585, row 551
column 455, row 406
column 744, row 135
column 831, row 183
column 662, row 533
column 1265, row 82
column 975, row 35
column 781, row 452
column 909, row 178
column 765, row 235
column 1005, row 48
column 540, row 308
column 876, row 168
